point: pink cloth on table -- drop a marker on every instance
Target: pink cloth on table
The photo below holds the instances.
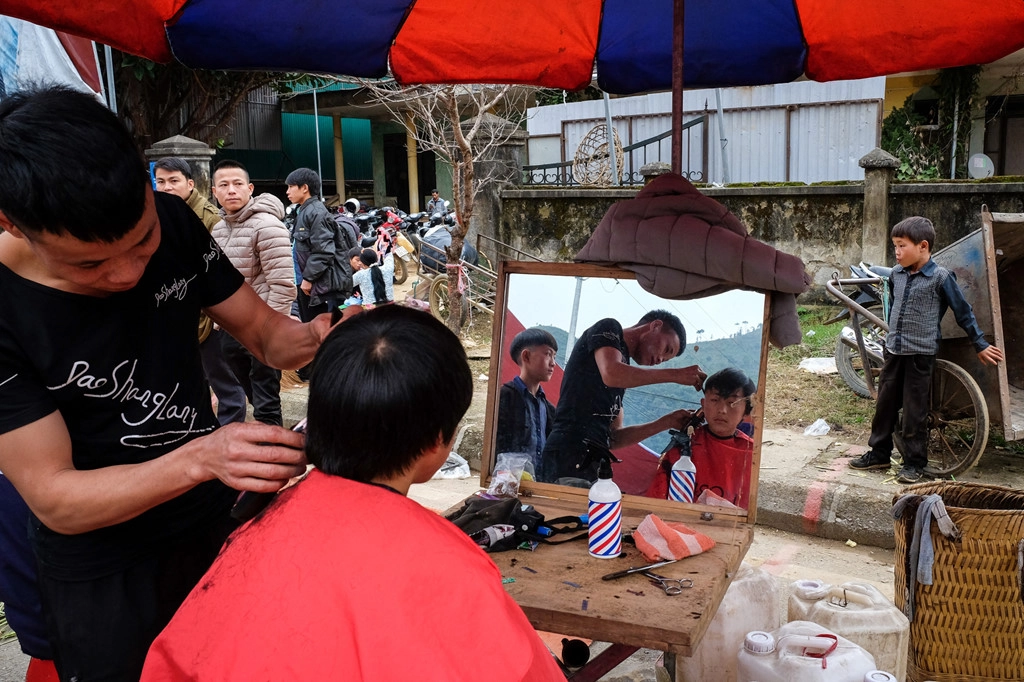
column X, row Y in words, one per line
column 657, row 539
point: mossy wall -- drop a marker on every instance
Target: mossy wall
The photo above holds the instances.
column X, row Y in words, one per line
column 822, row 224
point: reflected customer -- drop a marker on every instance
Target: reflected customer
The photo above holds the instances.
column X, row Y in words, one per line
column 721, row 453
column 525, row 417
column 596, row 377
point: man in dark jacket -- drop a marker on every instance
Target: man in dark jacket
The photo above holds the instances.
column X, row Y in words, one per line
column 321, row 246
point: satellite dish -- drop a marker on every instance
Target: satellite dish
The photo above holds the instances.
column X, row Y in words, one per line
column 980, row 166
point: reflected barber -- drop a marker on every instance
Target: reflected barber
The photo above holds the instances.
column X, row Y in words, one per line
column 596, row 377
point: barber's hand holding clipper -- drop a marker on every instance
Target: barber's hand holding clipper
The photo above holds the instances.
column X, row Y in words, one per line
column 252, row 502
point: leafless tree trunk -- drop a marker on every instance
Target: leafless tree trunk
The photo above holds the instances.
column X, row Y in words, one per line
column 460, row 124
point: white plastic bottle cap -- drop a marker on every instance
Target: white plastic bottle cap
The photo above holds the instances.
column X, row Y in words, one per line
column 759, row 642
column 811, row 589
column 879, row 676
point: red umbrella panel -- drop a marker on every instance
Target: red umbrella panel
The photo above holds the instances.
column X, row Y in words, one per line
column 727, row 42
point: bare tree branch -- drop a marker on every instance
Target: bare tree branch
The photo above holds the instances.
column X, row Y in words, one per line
column 461, row 124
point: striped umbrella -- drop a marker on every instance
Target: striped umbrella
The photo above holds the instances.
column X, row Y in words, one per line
column 550, row 43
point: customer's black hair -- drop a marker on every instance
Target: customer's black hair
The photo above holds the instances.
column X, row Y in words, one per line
column 231, row 163
column 528, row 338
column 174, row 163
column 725, row 382
column 68, row 166
column 386, row 385
column 671, row 321
column 354, row 252
column 305, row 176
column 917, row 229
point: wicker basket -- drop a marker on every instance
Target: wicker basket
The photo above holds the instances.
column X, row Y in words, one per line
column 969, row 624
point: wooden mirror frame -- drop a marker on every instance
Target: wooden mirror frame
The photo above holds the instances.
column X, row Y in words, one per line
column 534, row 488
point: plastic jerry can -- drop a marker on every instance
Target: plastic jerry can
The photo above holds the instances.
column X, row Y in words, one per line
column 801, row 651
column 859, row 612
column 750, row 603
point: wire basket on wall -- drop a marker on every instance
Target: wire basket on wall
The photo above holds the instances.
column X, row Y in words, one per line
column 592, row 165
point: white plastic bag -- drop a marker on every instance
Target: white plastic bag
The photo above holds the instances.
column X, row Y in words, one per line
column 508, row 471
column 819, row 428
column 819, row 365
column 454, row 467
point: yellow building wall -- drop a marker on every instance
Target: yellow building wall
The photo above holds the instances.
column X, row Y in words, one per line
column 898, row 88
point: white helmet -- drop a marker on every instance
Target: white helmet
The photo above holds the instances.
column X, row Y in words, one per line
column 352, row 205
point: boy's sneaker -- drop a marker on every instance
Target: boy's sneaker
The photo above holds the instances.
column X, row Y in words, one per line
column 909, row 475
column 870, row 460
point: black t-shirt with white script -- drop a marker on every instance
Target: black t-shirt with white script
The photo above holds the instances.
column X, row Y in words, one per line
column 586, row 406
column 124, row 372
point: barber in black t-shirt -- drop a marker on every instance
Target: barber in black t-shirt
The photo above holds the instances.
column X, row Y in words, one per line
column 596, row 377
column 106, row 426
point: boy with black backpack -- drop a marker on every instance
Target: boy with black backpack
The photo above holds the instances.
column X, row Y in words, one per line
column 321, row 245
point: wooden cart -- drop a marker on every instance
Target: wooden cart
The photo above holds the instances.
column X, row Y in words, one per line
column 967, row 397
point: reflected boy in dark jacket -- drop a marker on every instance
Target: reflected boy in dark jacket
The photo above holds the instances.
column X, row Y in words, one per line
column 525, row 416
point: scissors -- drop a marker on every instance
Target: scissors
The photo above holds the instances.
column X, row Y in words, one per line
column 672, row 586
column 638, row 569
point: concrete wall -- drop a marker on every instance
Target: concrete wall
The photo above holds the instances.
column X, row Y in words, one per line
column 823, row 225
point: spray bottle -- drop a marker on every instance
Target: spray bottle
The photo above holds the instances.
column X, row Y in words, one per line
column 683, row 476
column 605, row 513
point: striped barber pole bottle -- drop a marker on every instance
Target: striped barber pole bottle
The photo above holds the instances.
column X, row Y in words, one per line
column 683, row 480
column 605, row 532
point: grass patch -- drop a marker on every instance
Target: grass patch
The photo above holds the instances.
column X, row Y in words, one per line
column 796, row 398
column 996, row 439
column 6, row 632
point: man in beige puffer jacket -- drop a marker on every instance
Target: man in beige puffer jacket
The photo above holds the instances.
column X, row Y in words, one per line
column 253, row 237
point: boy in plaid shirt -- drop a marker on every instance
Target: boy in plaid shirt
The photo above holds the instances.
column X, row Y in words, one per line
column 922, row 291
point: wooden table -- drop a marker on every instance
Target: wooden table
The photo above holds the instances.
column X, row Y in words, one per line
column 559, row 587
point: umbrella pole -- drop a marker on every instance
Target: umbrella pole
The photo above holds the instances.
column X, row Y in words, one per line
column 678, row 9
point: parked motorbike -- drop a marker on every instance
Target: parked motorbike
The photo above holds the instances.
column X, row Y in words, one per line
column 380, row 229
column 873, row 295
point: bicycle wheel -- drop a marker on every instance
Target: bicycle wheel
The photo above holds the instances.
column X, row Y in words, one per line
column 957, row 422
column 439, row 300
column 401, row 272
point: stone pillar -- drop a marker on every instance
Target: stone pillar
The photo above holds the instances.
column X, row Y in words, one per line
column 502, row 167
column 339, row 159
column 879, row 167
column 412, row 163
column 649, row 171
column 197, row 154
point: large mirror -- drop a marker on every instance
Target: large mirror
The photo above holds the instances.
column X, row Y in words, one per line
column 569, row 326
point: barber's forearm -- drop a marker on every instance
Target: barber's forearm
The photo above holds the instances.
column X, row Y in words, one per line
column 79, row 501
column 631, row 435
column 621, row 375
column 286, row 343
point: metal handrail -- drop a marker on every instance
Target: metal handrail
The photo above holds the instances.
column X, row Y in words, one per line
column 501, row 247
column 482, row 296
column 856, row 310
column 560, row 173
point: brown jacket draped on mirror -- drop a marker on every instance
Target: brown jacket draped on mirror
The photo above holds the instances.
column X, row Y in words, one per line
column 683, row 245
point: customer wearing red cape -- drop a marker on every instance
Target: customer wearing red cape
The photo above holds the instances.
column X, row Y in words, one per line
column 343, row 577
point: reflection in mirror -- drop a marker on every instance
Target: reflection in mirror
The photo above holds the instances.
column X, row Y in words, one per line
column 593, row 362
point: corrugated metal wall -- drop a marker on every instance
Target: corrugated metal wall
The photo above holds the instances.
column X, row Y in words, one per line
column 271, row 144
column 805, row 132
column 299, row 131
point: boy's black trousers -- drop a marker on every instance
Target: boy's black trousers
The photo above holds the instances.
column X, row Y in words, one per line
column 905, row 383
